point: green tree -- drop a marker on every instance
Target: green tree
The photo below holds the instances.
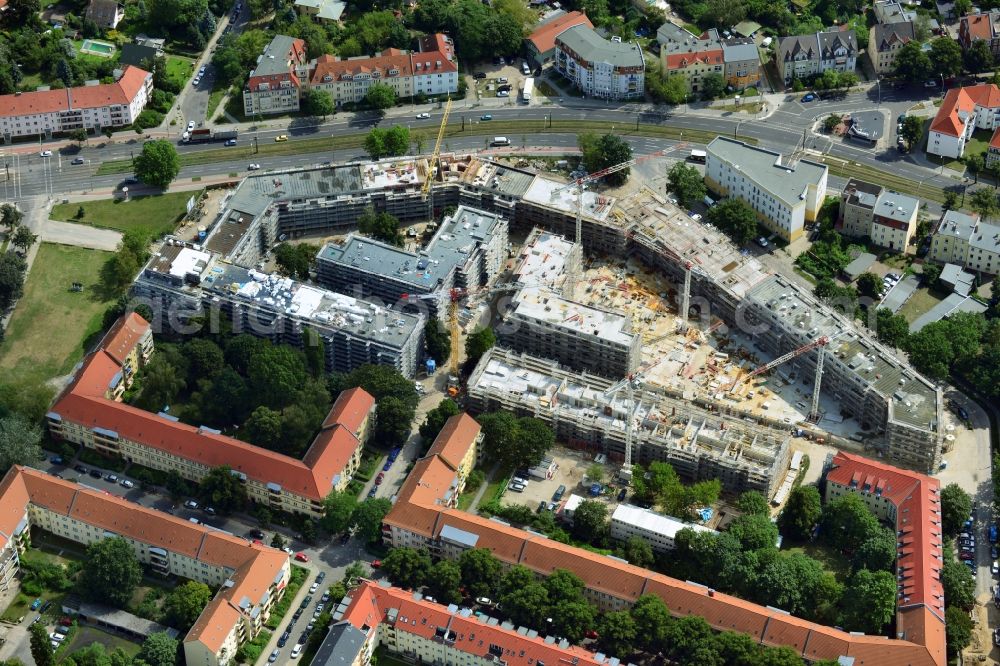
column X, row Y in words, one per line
column 278, row 541
column 161, row 383
column 394, row 420
column 316, row 102
column 946, row 56
column 735, row 217
column 950, row 196
column 590, row 520
column 12, row 270
column 380, row 226
column 753, row 503
column 956, row 507
column 913, row 64
column 686, row 183
column 23, row 238
column 437, row 341
column 534, row 439
column 111, row 572
column 185, row 603
column 397, row 140
column 637, row 551
column 869, row 285
column 526, row 605
column 959, row 585
column 276, row 373
column 754, row 532
column 978, row 58
column 712, row 86
column 930, row 273
column 41, row 645
column 481, row 572
column 205, row 359
column 444, row 582
column 958, row 630
column 159, row 649
column 478, row 343
column 618, row 633
column 913, row 129
column 605, row 151
column 847, row 523
column 869, row 601
column 877, row 553
column 295, row 260
column 408, row 567
column 563, row 585
column 19, row 441
column 263, row 428
column 437, row 417
column 930, row 350
column 222, row 490
column 652, row 619
column 975, row 165
column 338, row 511
column 724, row 13
column 375, row 143
column 892, row 329
column 573, row 619
column 831, row 122
column 367, row 518
column 380, row 97
column 158, row 163
column 10, row 216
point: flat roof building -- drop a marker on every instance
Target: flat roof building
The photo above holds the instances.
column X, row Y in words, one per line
column 659, row 531
column 785, row 194
column 609, row 69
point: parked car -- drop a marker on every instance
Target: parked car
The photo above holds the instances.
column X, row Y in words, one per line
column 808, row 97
column 36, row 604
column 995, row 568
column 191, row 504
column 762, row 242
column 380, row 478
column 127, row 483
column 313, row 588
column 320, row 576
column 296, row 651
column 274, row 657
column 423, row 116
column 78, row 160
column 301, row 557
column 502, row 79
column 516, row 487
column 210, row 510
column 46, row 153
column 80, row 468
column 484, row 601
column 503, row 93
column 930, row 83
column 479, row 76
column 113, row 478
column 96, row 473
column 376, row 564
column 56, row 460
column 257, row 534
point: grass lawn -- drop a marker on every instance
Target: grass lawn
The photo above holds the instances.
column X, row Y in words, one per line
column 918, row 303
column 84, row 636
column 156, row 215
column 214, row 98
column 179, row 69
column 383, row 657
column 52, row 326
column 831, row 560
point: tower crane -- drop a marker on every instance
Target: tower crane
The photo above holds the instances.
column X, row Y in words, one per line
column 579, row 185
column 814, row 414
column 629, row 383
column 436, row 155
column 821, row 341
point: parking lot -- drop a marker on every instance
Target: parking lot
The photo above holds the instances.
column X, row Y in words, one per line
column 571, row 468
column 489, row 86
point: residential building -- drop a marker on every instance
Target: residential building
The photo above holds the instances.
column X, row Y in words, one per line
column 541, row 43
column 90, row 413
column 273, row 85
column 884, row 42
column 181, row 282
column 736, row 60
column 419, row 519
column 89, row 107
column 911, row 502
column 599, row 67
column 250, row 579
column 742, row 455
column 137, row 55
column 467, row 251
column 321, row 11
column 784, row 193
column 950, row 241
column 981, row 26
column 993, row 150
column 962, row 112
column 659, row 531
column 956, row 280
column 105, row 13
column 802, row 56
column 891, row 11
column 888, row 218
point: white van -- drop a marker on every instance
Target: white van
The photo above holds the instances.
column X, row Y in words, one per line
column 708, row 201
column 524, row 68
column 500, row 141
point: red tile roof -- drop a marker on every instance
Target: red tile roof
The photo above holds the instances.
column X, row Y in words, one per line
column 995, row 139
column 455, row 439
column 417, row 511
column 350, row 410
column 544, row 37
column 336, row 68
column 958, row 102
column 977, row 26
column 683, row 60
column 122, row 91
column 84, row 403
column 123, row 336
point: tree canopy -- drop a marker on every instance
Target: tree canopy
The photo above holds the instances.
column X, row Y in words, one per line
column 367, row 518
column 111, row 572
column 601, row 152
column 158, row 163
column 222, row 490
column 686, row 183
column 736, row 218
column 515, row 442
column 956, row 507
column 185, row 603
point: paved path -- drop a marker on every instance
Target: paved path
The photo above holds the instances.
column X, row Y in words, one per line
column 80, row 235
column 482, row 489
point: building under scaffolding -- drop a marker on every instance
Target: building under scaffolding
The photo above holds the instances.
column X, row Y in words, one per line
column 698, row 442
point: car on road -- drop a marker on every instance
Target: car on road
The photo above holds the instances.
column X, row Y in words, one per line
column 111, row 478
column 281, row 137
column 36, row 604
column 230, row 142
column 56, row 460
column 930, row 83
column 380, row 478
column 486, row 116
column 808, row 97
column 253, row 166
column 190, row 125
column 296, row 651
column 46, row 153
column 190, row 504
column 423, row 116
column 96, row 473
column 274, row 657
column 762, row 242
column 196, row 81
column 313, row 588
column 376, row 564
column 301, row 557
column 81, row 469
column 127, row 483
column 210, row 510
column 78, row 160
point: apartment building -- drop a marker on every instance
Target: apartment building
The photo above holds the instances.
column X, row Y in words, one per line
column 962, row 112
column 273, row 85
column 784, row 193
column 659, row 531
column 981, row 26
column 541, row 43
column 884, row 42
column 105, row 13
column 90, row 413
column 90, row 107
column 912, row 503
column 666, row 425
column 467, row 251
column 803, row 56
column 422, row 520
column 250, row 579
column 181, row 282
column 736, row 59
column 888, row 218
column 966, row 241
column 599, row 67
column 321, row 11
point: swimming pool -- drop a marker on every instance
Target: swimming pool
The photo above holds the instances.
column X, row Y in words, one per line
column 97, row 48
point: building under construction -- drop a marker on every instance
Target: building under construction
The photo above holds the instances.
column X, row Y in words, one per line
column 699, row 442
